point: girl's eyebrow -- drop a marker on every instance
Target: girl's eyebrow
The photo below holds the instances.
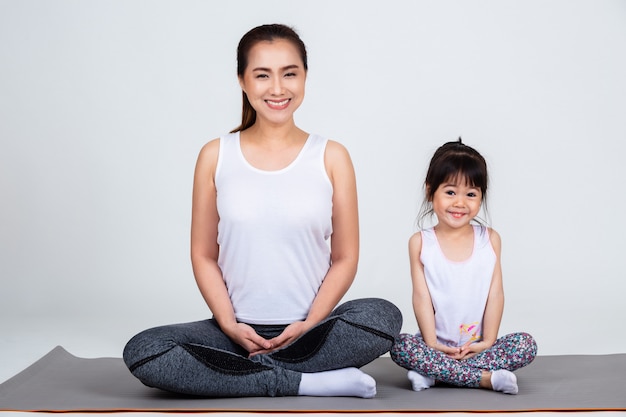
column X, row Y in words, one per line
column 453, row 184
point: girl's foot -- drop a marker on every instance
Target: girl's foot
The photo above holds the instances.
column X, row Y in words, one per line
column 504, row 381
column 420, row 382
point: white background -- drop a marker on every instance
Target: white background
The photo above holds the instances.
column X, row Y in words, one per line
column 104, row 106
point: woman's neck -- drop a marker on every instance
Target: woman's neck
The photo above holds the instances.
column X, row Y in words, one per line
column 271, row 149
column 273, row 136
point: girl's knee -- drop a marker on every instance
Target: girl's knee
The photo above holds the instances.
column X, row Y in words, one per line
column 404, row 342
column 404, row 350
column 528, row 344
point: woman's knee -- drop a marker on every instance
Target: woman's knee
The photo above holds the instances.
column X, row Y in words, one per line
column 147, row 344
column 377, row 313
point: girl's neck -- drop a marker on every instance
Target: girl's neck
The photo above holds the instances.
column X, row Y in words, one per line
column 454, row 233
column 457, row 245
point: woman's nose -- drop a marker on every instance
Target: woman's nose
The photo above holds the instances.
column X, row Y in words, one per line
column 277, row 86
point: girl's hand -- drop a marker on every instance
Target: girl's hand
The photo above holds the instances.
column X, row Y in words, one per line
column 245, row 336
column 289, row 335
column 448, row 350
column 471, row 349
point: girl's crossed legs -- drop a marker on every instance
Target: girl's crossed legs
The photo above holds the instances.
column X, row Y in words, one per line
column 509, row 352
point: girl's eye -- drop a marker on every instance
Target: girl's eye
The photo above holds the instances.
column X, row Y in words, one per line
column 471, row 194
column 450, row 192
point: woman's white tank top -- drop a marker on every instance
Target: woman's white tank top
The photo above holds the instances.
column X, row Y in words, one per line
column 273, row 232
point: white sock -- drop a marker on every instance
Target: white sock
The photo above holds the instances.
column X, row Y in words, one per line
column 504, row 381
column 346, row 382
column 420, row 382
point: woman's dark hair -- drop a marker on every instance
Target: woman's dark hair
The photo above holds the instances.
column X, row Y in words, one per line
column 263, row 33
column 454, row 161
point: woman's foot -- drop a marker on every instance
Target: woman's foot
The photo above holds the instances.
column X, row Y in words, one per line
column 346, row 382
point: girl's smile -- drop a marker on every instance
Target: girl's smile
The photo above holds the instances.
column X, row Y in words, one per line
column 456, row 215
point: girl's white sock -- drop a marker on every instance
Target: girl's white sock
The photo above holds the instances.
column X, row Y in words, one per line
column 504, row 381
column 420, row 382
column 346, row 382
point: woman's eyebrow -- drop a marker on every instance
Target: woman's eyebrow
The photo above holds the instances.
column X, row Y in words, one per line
column 285, row 68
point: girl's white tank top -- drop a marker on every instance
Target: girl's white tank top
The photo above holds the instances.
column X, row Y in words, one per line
column 458, row 290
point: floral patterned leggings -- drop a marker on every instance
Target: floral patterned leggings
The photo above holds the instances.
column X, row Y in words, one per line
column 509, row 352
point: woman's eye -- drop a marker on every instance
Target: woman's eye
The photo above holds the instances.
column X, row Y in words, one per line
column 261, row 76
column 290, row 74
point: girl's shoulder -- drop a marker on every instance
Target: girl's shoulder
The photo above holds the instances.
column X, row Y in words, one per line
column 415, row 245
column 417, row 239
column 494, row 238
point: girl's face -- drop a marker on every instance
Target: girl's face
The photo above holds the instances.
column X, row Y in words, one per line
column 456, row 203
column 274, row 80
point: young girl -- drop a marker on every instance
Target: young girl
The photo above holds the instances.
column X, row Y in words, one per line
column 457, row 285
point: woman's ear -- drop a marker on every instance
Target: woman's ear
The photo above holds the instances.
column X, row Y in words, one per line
column 241, row 84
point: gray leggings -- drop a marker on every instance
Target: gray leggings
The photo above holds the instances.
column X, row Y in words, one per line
column 199, row 359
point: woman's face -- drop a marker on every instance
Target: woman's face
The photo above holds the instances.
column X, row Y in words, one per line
column 274, row 80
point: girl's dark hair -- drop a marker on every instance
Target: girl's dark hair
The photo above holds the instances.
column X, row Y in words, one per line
column 454, row 161
column 263, row 33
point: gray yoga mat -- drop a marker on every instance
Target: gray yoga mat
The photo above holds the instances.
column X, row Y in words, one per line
column 62, row 382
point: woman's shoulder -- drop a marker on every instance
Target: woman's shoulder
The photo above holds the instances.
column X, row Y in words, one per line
column 337, row 160
column 335, row 149
column 336, row 154
column 212, row 146
column 208, row 156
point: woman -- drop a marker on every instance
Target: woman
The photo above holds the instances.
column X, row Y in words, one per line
column 267, row 198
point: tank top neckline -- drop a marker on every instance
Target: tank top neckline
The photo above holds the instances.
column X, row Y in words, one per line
column 466, row 260
column 288, row 167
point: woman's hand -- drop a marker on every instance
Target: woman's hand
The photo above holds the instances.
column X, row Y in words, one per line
column 289, row 335
column 246, row 337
